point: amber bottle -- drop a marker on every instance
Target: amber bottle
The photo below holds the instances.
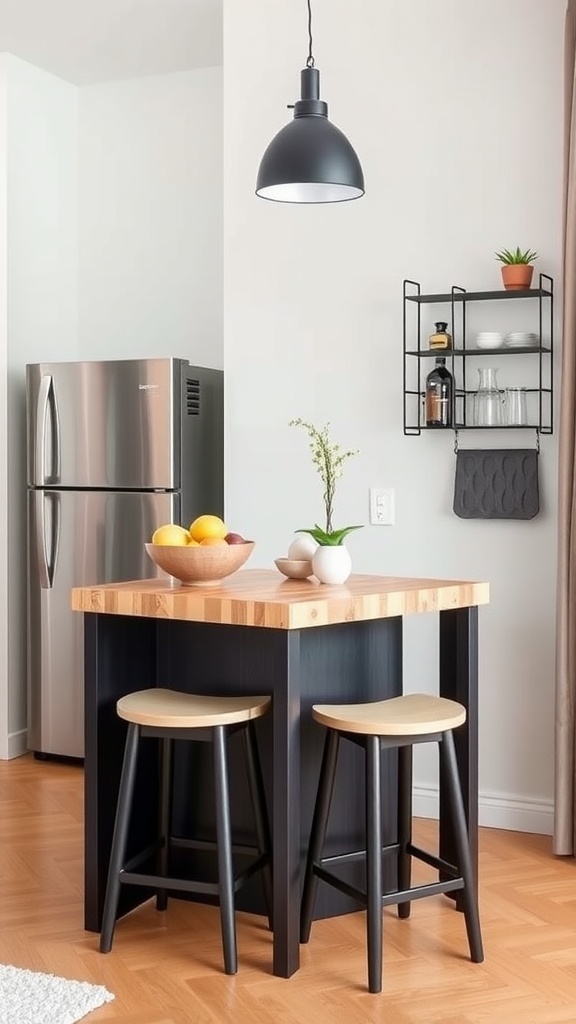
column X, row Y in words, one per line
column 440, row 338
column 439, row 395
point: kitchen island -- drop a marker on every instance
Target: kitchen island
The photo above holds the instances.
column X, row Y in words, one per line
column 257, row 633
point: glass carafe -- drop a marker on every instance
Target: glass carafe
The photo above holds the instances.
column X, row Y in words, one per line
column 488, row 401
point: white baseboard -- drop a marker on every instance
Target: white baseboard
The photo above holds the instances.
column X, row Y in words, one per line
column 495, row 811
column 17, row 744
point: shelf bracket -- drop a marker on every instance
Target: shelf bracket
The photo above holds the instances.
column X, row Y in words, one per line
column 455, row 442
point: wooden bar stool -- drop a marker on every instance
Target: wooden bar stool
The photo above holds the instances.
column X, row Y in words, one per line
column 399, row 723
column 169, row 715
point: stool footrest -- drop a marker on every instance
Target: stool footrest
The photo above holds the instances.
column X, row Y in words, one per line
column 433, row 860
column 347, row 858
column 129, row 877
column 162, row 882
column 416, row 892
column 210, row 845
column 138, row 858
column 340, row 884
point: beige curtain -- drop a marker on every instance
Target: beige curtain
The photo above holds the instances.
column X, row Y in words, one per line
column 565, row 775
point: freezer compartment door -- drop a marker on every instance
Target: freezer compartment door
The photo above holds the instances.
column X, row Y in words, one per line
column 77, row 539
column 114, row 424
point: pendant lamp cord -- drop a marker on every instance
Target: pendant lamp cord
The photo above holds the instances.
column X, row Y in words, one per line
column 310, row 59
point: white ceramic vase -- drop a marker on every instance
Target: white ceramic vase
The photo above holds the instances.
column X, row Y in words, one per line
column 331, row 563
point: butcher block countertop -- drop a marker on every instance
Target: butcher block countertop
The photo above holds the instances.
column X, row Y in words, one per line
column 262, row 597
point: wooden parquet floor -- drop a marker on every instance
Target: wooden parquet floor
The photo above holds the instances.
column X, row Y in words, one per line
column 166, row 968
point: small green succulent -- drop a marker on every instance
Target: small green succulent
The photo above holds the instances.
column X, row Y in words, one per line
column 509, row 256
column 329, row 538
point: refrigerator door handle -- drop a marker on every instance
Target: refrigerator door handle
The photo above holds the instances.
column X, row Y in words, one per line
column 47, row 400
column 54, row 500
column 47, row 561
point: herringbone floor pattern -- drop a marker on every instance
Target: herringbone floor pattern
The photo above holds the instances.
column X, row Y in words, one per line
column 166, row 968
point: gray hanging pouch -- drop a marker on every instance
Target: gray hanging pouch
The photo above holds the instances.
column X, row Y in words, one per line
column 500, row 483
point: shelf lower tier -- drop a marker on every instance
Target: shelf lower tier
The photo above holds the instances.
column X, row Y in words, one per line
column 414, row 430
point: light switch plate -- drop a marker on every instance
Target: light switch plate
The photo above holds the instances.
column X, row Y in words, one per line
column 382, row 501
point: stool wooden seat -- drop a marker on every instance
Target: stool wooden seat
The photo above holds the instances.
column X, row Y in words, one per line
column 414, row 714
column 170, row 715
column 400, row 722
column 171, row 709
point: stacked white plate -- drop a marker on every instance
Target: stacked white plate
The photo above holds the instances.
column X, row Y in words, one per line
column 489, row 339
column 521, row 339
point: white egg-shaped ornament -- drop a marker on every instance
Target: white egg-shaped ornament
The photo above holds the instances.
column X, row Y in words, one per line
column 302, row 547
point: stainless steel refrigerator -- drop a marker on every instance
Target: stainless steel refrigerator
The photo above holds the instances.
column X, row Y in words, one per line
column 114, row 449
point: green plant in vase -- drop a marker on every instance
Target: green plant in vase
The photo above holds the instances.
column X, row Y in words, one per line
column 517, row 269
column 328, row 458
column 517, row 255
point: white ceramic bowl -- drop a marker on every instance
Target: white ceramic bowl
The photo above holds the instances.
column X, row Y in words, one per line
column 200, row 564
column 489, row 341
column 294, row 568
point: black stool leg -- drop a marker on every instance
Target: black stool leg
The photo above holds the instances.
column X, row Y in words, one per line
column 258, row 798
column 166, row 747
column 404, row 824
column 118, row 851
column 318, row 831
column 224, row 842
column 456, row 805
column 374, row 863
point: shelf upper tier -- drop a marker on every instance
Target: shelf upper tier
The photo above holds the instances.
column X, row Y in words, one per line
column 524, row 293
column 502, row 350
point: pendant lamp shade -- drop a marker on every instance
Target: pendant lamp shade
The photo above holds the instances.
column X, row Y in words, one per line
column 310, row 160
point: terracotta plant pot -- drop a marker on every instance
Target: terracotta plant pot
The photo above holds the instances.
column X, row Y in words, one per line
column 517, row 276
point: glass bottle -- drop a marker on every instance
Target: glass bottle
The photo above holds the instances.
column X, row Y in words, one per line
column 440, row 338
column 439, row 395
column 488, row 400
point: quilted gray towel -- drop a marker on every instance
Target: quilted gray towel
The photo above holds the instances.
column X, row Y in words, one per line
column 500, row 483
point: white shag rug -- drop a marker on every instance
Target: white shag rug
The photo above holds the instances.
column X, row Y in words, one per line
column 29, row 997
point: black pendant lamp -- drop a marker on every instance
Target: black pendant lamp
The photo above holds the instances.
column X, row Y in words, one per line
column 310, row 160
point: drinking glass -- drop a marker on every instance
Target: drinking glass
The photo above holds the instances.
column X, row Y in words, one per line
column 515, row 406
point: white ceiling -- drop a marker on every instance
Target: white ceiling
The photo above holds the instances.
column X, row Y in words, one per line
column 85, row 41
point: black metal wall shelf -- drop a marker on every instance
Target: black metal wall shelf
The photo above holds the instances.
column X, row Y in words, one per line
column 415, row 367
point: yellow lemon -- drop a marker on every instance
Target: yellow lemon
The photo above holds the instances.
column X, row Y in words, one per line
column 171, row 535
column 208, row 526
column 193, row 543
column 212, row 541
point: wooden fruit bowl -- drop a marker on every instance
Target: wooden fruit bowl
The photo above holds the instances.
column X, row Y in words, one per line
column 200, row 564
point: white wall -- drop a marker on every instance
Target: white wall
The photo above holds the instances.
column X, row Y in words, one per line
column 455, row 109
column 39, row 193
column 151, row 217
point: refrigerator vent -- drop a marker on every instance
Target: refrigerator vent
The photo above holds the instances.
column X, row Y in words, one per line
column 193, row 397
